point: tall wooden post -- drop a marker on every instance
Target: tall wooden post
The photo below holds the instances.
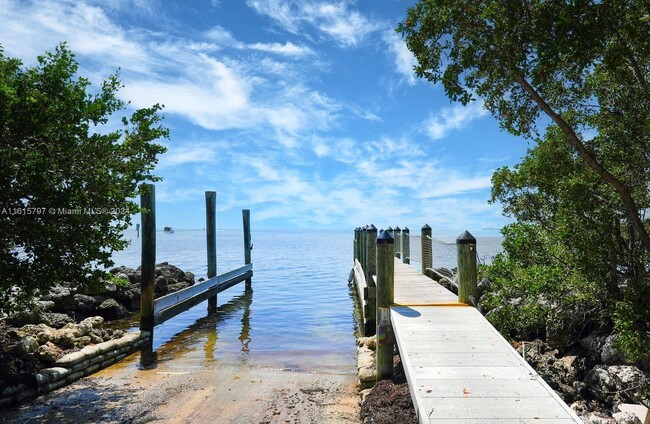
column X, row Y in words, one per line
column 467, row 275
column 371, row 270
column 211, row 239
column 406, row 246
column 371, row 265
column 147, row 270
column 362, row 245
column 397, row 236
column 355, row 246
column 385, row 298
column 426, row 249
column 248, row 246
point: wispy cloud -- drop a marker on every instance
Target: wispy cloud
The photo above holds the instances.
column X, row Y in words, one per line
column 336, row 20
column 403, row 58
column 286, row 49
column 453, row 118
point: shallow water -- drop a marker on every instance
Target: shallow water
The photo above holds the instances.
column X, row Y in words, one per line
column 299, row 314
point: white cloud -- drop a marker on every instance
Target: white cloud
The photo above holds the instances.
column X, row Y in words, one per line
column 28, row 31
column 453, row 118
column 334, row 19
column 402, row 56
column 286, row 49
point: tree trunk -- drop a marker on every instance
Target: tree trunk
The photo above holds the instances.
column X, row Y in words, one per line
column 622, row 190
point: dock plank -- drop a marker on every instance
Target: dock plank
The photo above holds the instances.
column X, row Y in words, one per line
column 459, row 368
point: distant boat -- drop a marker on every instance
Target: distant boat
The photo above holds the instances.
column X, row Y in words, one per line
column 168, row 230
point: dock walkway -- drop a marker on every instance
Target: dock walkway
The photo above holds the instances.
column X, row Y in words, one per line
column 459, row 368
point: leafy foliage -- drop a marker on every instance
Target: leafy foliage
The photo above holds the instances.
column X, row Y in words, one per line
column 580, row 248
column 67, row 175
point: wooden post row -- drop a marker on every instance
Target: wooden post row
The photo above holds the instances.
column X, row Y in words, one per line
column 211, row 240
column 467, row 274
column 385, row 297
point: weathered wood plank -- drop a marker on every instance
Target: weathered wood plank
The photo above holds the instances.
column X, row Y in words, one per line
column 478, row 388
column 493, row 409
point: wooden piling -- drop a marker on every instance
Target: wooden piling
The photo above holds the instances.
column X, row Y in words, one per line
column 248, row 246
column 397, row 236
column 426, row 249
column 147, row 270
column 385, row 298
column 370, row 270
column 211, row 240
column 355, row 246
column 406, row 246
column 467, row 273
column 371, row 259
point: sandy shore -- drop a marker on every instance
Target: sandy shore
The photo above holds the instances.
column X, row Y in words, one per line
column 185, row 392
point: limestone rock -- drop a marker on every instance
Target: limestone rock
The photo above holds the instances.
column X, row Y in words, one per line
column 616, row 383
column 110, row 309
column 49, row 353
column 610, row 355
column 626, row 418
column 161, row 285
column 84, row 303
column 58, row 320
column 29, row 344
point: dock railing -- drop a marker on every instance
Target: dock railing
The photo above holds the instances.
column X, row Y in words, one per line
column 154, row 312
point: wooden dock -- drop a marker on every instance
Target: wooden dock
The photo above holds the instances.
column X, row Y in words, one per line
column 459, row 368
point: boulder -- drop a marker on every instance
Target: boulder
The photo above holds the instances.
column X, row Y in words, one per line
column 65, row 337
column 616, row 383
column 84, row 303
column 626, row 418
column 44, row 305
column 610, row 355
column 189, row 277
column 94, row 322
column 161, row 286
column 62, row 298
column 111, row 310
column 593, row 345
column 57, row 320
column 129, row 296
column 28, row 344
column 27, row 317
column 174, row 287
column 49, row 353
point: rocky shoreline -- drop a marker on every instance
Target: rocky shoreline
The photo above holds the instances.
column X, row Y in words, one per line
column 65, row 323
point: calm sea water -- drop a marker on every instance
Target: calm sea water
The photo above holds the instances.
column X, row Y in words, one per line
column 299, row 314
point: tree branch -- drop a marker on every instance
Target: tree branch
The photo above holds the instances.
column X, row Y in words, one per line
column 582, row 150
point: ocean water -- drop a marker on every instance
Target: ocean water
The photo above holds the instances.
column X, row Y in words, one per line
column 299, row 314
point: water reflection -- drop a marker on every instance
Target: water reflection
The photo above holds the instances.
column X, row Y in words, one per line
column 205, row 331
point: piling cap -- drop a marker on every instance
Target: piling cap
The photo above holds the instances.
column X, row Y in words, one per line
column 426, row 227
column 406, row 229
column 397, row 229
column 466, row 238
column 389, row 229
column 385, row 238
column 364, row 228
column 372, row 228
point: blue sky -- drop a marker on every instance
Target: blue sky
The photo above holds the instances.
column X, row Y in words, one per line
column 306, row 112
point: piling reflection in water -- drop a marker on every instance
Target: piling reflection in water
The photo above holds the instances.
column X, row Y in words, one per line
column 204, row 332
